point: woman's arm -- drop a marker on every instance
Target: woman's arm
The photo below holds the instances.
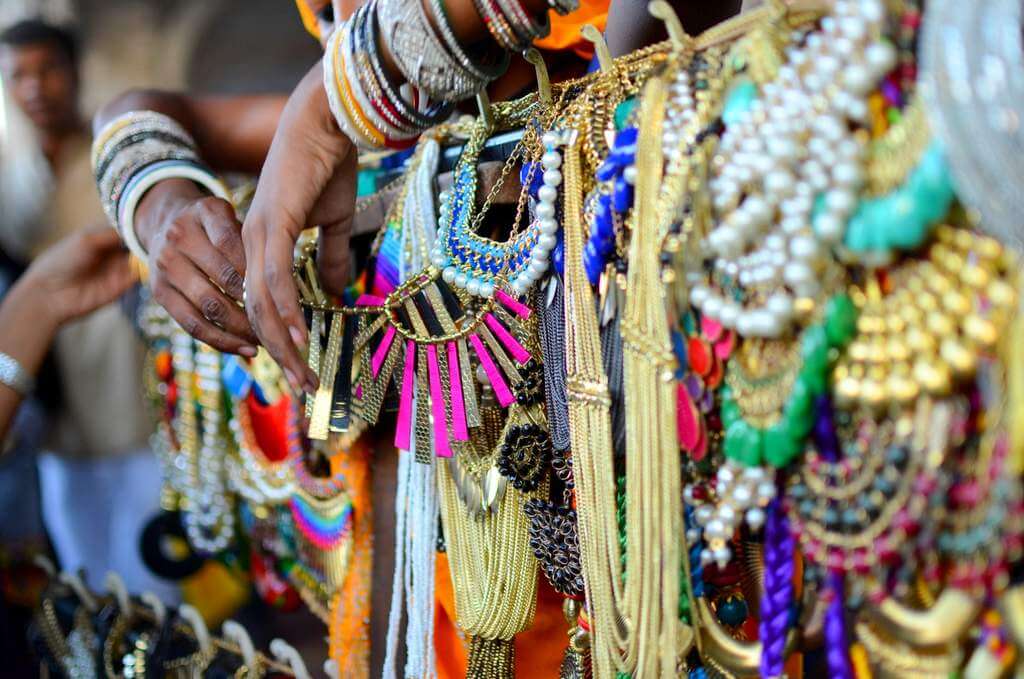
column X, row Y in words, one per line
column 76, row 276
column 192, row 239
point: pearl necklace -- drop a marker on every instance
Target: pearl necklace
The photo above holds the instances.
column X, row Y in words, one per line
column 478, row 265
column 790, row 150
column 208, row 520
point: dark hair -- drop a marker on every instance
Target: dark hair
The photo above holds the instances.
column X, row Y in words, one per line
column 38, row 32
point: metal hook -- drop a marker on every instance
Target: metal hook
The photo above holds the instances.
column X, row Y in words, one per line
column 483, row 102
column 115, row 585
column 287, row 653
column 543, row 80
column 604, row 55
column 154, row 602
column 46, row 564
column 74, row 581
column 237, row 633
column 660, row 9
column 190, row 615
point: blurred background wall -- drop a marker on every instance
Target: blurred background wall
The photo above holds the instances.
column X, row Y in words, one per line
column 204, row 45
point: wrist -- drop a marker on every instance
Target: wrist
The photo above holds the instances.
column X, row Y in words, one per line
column 29, row 321
column 161, row 205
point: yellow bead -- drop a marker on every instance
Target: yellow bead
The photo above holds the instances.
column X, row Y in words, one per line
column 962, row 360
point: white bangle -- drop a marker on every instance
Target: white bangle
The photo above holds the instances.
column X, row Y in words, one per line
column 14, row 375
column 149, row 177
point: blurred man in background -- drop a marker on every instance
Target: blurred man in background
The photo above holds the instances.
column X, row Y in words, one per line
column 99, row 481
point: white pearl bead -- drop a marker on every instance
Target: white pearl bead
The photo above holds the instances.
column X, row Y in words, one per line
column 547, row 194
column 548, row 225
column 829, row 227
column 545, row 210
column 716, row 529
column 551, row 160
column 727, row 514
column 729, row 314
column 781, row 305
column 461, row 279
column 713, row 305
column 857, row 78
column 745, row 324
column 552, row 177
column 853, row 28
column 872, row 11
column 742, row 222
column 791, row 225
column 699, row 295
column 703, row 514
column 448, row 275
column 722, row 556
column 848, row 175
column 774, row 241
column 766, row 490
column 742, row 495
column 540, row 255
column 840, row 201
column 473, row 287
column 537, row 268
column 803, row 247
column 486, row 289
column 779, row 183
column 760, row 212
column 755, row 518
column 629, row 174
column 550, row 139
column 797, row 273
column 547, row 241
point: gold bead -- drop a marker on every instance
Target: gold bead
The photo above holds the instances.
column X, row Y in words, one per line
column 1001, row 293
column 961, row 359
column 933, row 376
column 981, row 330
column 940, row 324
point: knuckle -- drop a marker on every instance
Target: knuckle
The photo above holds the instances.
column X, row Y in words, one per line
column 164, row 260
column 230, row 279
column 192, row 326
column 176, row 232
column 212, row 309
column 273, row 276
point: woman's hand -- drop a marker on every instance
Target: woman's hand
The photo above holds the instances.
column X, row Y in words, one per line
column 196, row 263
column 309, row 179
column 78, row 275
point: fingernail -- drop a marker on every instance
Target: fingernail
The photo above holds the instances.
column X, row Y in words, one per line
column 312, row 382
column 247, row 351
column 298, row 337
column 293, row 381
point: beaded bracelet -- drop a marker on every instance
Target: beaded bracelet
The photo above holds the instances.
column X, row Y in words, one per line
column 134, row 152
column 145, row 179
column 362, row 98
column 420, row 54
column 483, row 71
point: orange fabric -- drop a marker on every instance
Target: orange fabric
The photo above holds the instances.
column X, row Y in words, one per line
column 539, row 649
column 565, row 30
column 349, row 632
column 308, row 19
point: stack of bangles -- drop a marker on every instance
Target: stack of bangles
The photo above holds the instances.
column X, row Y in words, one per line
column 376, row 112
column 134, row 152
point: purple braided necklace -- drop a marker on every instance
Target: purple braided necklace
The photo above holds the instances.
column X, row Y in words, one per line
column 777, row 599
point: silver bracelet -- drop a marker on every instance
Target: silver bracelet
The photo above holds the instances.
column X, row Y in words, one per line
column 483, row 71
column 15, row 376
column 420, row 54
column 563, row 7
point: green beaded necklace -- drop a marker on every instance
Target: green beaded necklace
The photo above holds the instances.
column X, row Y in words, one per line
column 779, row 444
